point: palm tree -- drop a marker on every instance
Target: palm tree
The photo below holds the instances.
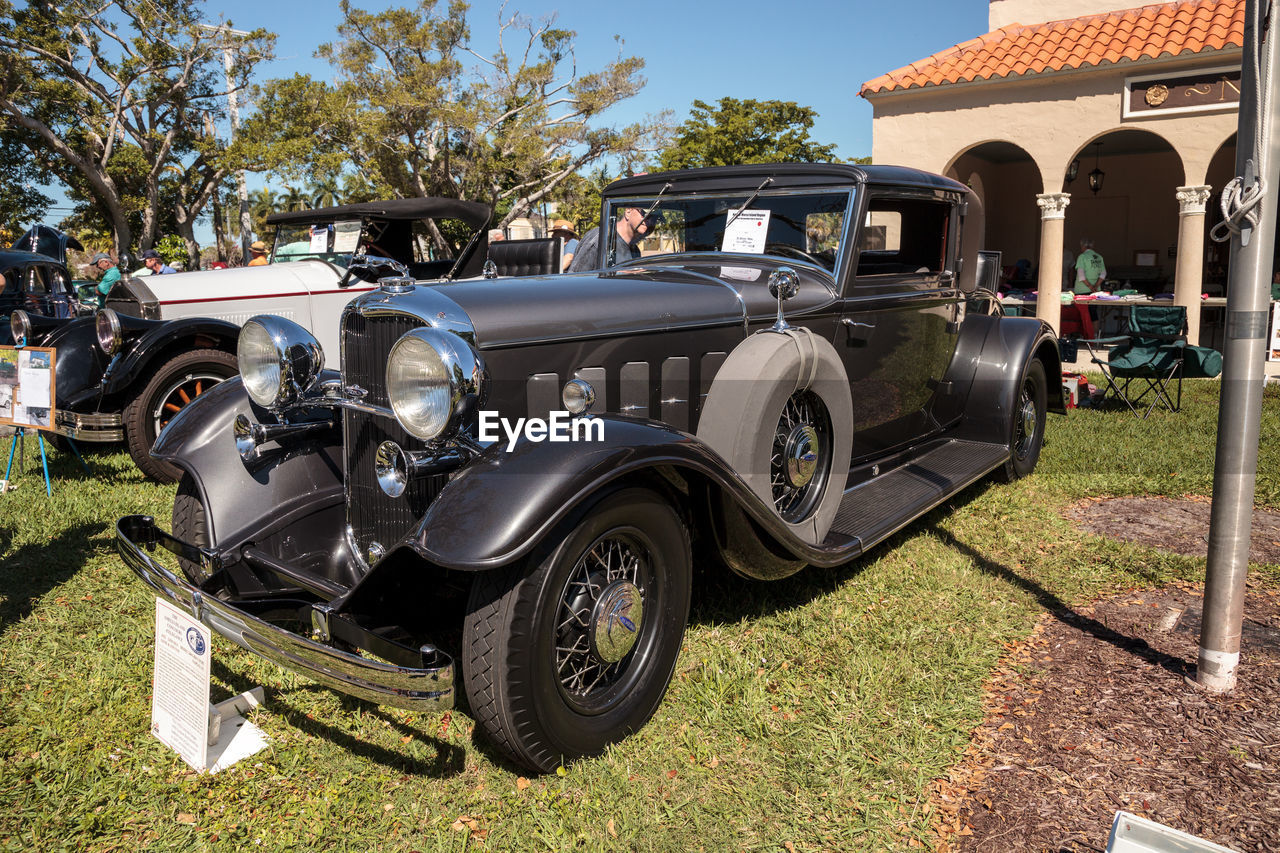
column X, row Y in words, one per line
column 263, row 203
column 294, row 199
column 326, row 192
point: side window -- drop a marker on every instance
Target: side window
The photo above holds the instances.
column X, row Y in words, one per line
column 58, row 283
column 35, row 283
column 10, row 290
column 904, row 236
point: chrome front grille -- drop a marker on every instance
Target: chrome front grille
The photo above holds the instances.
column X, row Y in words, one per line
column 373, row 515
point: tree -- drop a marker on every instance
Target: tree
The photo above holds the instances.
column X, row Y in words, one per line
column 417, row 112
column 21, row 204
column 85, row 80
column 745, row 132
column 325, row 192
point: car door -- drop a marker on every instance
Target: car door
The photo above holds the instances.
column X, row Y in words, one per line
column 898, row 320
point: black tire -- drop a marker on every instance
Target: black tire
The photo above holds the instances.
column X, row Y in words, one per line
column 190, row 524
column 168, row 389
column 1026, row 426
column 529, row 648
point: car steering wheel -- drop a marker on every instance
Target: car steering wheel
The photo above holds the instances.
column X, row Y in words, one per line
column 792, row 251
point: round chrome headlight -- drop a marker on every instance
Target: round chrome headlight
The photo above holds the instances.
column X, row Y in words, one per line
column 279, row 360
column 578, row 396
column 20, row 326
column 106, row 324
column 434, row 379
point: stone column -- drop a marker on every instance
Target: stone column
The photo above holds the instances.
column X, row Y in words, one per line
column 1188, row 281
column 1053, row 214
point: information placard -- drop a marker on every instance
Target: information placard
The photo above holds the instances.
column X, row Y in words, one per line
column 180, row 686
column 27, row 386
column 746, row 231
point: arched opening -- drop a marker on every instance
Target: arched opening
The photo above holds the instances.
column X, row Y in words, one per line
column 1131, row 211
column 1007, row 180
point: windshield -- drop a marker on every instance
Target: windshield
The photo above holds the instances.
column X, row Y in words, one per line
column 426, row 246
column 326, row 241
column 805, row 226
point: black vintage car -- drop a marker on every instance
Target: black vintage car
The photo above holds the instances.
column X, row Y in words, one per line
column 34, row 277
column 162, row 341
column 508, row 474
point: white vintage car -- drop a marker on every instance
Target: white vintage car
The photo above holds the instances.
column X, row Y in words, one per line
column 160, row 341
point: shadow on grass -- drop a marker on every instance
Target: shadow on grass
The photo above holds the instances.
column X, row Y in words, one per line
column 450, row 759
column 32, row 570
column 1063, row 612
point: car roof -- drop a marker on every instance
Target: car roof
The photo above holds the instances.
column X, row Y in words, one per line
column 714, row 178
column 471, row 212
column 14, row 256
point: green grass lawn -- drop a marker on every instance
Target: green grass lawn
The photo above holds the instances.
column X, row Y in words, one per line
column 806, row 714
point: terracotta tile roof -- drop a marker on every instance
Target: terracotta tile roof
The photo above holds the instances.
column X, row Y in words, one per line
column 1170, row 29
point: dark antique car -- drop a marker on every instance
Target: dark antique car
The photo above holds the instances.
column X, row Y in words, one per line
column 162, row 341
column 509, row 474
column 34, row 277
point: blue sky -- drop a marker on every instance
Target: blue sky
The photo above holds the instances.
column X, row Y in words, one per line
column 815, row 52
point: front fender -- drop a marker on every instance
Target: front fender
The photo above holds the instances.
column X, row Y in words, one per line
column 79, row 365
column 237, row 497
column 1007, row 348
column 502, row 504
column 205, row 332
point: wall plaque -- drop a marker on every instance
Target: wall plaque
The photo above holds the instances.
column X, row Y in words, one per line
column 1203, row 90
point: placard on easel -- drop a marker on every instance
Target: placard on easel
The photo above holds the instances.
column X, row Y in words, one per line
column 27, row 386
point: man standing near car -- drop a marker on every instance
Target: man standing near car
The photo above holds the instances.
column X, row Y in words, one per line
column 151, row 260
column 110, row 275
column 258, row 250
column 632, row 228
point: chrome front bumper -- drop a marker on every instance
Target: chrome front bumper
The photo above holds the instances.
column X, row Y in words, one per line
column 95, row 427
column 428, row 687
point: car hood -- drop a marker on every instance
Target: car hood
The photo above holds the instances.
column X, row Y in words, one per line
column 673, row 293
column 243, row 282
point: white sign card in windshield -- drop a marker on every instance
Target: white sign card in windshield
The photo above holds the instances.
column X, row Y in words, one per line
column 747, row 233
column 346, row 236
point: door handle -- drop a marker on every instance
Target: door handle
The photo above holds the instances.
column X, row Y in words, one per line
column 854, row 324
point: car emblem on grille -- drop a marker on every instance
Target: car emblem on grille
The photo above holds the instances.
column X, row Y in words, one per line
column 355, row 392
column 376, row 552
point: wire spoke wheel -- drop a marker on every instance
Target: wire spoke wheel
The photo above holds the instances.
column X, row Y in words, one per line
column 572, row 650
column 600, row 618
column 800, row 459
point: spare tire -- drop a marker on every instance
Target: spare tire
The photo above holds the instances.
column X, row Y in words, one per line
column 780, row 413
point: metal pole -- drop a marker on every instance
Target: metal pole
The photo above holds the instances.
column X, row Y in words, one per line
column 1240, row 409
column 242, row 189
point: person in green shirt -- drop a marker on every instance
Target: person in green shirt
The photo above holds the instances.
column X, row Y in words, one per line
column 110, row 275
column 1091, row 272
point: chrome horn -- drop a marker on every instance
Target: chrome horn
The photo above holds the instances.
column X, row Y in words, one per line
column 395, row 467
column 249, row 435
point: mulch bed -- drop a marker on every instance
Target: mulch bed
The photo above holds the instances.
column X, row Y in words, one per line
column 1093, row 713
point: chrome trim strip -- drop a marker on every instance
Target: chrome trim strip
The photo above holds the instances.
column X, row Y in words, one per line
column 429, row 689
column 92, row 427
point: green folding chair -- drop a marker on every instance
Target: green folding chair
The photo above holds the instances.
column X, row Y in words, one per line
column 1147, row 363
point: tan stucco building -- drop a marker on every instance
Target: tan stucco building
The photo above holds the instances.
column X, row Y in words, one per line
column 1145, row 99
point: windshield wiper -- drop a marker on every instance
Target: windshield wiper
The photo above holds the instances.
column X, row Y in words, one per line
column 657, row 200
column 747, row 203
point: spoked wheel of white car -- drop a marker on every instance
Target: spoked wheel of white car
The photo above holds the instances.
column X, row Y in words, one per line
column 168, row 390
column 572, row 649
column 780, row 413
column 1026, row 428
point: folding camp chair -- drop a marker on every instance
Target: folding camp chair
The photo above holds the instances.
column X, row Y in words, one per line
column 1147, row 361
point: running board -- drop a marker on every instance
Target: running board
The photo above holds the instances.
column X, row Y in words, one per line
column 878, row 508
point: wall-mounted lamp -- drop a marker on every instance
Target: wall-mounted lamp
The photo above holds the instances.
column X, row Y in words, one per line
column 1096, row 176
column 1073, row 170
